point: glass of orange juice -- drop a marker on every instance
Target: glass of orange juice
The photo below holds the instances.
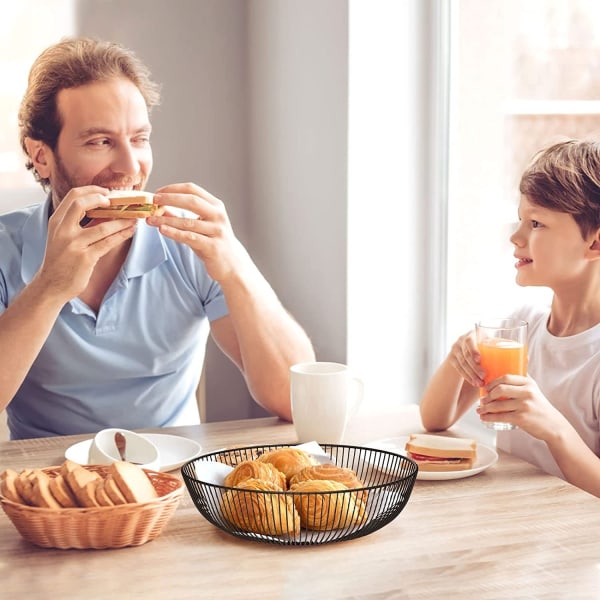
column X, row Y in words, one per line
column 502, row 344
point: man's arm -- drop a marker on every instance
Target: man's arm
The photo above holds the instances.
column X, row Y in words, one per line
column 258, row 334
column 72, row 253
column 263, row 340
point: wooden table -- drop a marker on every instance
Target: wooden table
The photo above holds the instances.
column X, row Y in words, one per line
column 509, row 532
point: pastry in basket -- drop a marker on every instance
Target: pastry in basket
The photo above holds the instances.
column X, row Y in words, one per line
column 324, row 511
column 288, row 460
column 255, row 469
column 332, row 473
column 250, row 510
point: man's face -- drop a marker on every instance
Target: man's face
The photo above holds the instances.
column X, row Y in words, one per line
column 104, row 140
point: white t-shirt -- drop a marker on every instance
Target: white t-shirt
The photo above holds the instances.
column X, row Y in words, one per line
column 567, row 370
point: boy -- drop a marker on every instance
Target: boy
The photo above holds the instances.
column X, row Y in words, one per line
column 556, row 407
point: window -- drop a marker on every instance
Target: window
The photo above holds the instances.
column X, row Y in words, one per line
column 524, row 75
column 26, row 28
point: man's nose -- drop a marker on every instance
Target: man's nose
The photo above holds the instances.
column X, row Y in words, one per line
column 126, row 160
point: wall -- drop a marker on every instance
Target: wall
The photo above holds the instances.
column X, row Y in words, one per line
column 254, row 110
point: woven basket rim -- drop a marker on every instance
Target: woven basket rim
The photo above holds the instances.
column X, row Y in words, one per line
column 88, row 509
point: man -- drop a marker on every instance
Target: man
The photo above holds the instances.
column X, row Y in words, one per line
column 104, row 323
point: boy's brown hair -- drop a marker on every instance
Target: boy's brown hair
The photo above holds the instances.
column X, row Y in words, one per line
column 566, row 177
column 69, row 64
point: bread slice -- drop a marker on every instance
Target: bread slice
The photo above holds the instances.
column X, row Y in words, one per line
column 441, row 453
column 83, row 485
column 133, row 482
column 24, row 486
column 62, row 492
column 41, row 494
column 8, row 487
column 102, row 497
column 113, row 492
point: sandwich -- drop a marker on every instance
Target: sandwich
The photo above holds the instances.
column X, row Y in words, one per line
column 127, row 204
column 441, row 453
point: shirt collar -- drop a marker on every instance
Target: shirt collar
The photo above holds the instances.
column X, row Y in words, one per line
column 148, row 249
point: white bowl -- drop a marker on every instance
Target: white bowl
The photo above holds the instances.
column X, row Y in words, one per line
column 138, row 449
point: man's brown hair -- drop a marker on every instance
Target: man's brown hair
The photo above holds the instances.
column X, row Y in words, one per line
column 566, row 177
column 69, row 64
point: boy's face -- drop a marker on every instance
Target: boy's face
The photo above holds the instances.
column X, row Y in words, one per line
column 549, row 247
column 104, row 140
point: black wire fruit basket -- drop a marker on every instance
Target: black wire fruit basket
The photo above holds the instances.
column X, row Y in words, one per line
column 304, row 518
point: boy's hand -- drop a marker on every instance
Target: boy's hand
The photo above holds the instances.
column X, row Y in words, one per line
column 465, row 358
column 524, row 406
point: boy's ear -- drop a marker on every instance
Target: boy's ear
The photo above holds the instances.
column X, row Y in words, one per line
column 40, row 155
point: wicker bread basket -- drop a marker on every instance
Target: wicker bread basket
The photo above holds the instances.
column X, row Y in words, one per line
column 102, row 527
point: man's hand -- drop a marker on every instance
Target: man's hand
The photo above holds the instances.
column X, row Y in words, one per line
column 209, row 233
column 73, row 250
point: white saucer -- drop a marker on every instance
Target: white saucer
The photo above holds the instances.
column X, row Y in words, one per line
column 174, row 450
column 486, row 457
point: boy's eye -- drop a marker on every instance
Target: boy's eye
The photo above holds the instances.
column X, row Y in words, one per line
column 535, row 224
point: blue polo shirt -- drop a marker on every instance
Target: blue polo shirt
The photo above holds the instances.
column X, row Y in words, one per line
column 136, row 363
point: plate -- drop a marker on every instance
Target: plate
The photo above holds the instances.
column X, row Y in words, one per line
column 486, row 457
column 174, row 450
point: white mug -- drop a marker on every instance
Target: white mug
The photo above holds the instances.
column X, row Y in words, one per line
column 324, row 396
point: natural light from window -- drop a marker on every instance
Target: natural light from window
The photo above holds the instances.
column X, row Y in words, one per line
column 26, row 28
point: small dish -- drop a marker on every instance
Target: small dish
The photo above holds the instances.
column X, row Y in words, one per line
column 174, row 450
column 112, row 444
column 486, row 457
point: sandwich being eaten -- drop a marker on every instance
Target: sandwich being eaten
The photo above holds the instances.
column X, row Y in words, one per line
column 441, row 453
column 127, row 204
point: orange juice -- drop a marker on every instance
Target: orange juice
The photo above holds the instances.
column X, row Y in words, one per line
column 500, row 356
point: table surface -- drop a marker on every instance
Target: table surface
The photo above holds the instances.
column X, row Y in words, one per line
column 511, row 531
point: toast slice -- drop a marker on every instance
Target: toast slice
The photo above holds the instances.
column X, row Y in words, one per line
column 41, row 494
column 102, row 496
column 83, row 485
column 112, row 490
column 8, row 487
column 133, row 482
column 62, row 492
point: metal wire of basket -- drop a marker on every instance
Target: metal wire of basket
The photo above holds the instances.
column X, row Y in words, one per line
column 388, row 480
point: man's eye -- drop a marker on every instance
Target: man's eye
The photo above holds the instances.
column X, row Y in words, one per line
column 99, row 142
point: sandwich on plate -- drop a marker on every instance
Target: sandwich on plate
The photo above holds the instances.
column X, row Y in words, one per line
column 127, row 204
column 441, row 453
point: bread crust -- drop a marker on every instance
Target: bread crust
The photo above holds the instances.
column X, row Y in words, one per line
column 441, row 446
column 443, row 465
column 115, row 213
column 133, row 482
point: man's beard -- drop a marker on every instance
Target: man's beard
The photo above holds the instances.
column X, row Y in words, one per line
column 62, row 182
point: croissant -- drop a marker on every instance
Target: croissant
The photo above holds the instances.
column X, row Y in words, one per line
column 253, row 469
column 268, row 514
column 332, row 473
column 327, row 510
column 288, row 460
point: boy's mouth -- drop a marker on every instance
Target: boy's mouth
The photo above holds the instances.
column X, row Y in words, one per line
column 521, row 262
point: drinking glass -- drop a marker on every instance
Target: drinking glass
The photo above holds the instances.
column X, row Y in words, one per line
column 502, row 344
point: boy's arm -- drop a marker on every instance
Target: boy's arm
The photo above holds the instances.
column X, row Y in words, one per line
column 579, row 465
column 454, row 387
column 447, row 398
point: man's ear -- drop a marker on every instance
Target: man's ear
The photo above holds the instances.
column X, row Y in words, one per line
column 594, row 247
column 40, row 155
